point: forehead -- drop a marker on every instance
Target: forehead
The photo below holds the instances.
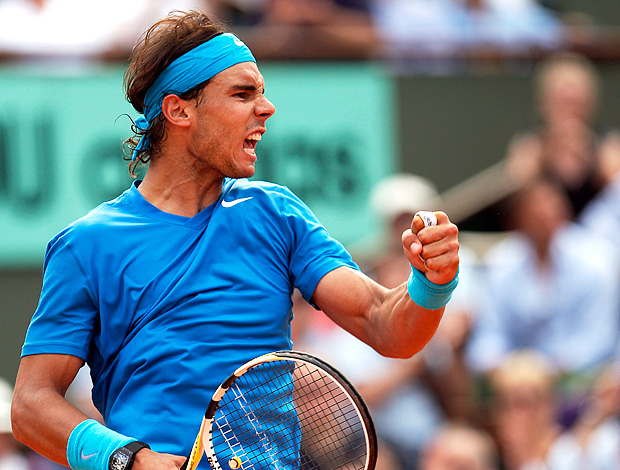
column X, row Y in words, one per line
column 568, row 76
column 245, row 73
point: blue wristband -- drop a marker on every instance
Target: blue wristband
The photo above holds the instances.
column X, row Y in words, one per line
column 427, row 294
column 91, row 444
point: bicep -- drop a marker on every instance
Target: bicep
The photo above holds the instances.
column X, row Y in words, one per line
column 349, row 297
column 53, row 371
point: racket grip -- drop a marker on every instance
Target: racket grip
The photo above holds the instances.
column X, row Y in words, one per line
column 429, row 218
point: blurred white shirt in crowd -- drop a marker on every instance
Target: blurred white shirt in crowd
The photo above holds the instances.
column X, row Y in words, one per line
column 79, row 27
column 567, row 311
column 443, row 28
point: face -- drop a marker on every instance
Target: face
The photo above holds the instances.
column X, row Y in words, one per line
column 541, row 211
column 568, row 93
column 229, row 121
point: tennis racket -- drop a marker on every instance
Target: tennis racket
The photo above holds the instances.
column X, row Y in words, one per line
column 286, row 411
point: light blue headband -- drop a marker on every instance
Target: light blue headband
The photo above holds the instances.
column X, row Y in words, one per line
column 191, row 69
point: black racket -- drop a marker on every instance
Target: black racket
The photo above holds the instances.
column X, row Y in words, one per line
column 286, row 411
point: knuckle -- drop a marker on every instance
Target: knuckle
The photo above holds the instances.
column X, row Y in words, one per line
column 452, row 230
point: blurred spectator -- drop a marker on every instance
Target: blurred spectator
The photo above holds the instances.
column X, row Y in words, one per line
column 301, row 28
column 79, row 29
column 602, row 214
column 524, row 410
column 460, row 447
column 593, row 443
column 567, row 146
column 526, row 425
column 546, row 288
column 461, row 28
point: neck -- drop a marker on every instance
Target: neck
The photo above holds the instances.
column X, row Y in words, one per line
column 543, row 252
column 178, row 191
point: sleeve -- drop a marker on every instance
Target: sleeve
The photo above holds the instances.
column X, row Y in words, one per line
column 314, row 252
column 65, row 318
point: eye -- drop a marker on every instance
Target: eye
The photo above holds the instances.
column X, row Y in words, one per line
column 244, row 95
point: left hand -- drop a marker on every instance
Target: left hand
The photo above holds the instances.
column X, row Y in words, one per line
column 433, row 250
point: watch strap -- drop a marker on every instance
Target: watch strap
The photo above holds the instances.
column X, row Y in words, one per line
column 135, row 446
column 130, row 449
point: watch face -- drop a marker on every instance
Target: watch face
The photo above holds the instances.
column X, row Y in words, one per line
column 119, row 460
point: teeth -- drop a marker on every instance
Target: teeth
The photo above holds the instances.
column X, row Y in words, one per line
column 255, row 136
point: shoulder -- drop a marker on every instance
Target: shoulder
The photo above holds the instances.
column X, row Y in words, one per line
column 511, row 250
column 96, row 224
column 259, row 189
column 571, row 240
column 269, row 197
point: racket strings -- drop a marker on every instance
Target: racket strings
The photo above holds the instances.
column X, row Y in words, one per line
column 287, row 415
column 338, row 437
column 230, row 437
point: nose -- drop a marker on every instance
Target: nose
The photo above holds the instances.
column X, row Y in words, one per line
column 265, row 108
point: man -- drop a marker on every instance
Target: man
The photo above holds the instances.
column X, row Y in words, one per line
column 534, row 298
column 459, row 446
column 189, row 273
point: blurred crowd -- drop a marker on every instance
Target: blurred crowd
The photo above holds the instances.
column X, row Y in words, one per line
column 416, row 32
column 524, row 371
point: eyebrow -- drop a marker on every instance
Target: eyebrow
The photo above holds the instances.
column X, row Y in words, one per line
column 252, row 88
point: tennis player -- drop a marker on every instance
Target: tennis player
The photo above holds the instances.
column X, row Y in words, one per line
column 166, row 289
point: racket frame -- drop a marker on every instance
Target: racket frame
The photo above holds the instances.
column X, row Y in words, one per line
column 204, row 440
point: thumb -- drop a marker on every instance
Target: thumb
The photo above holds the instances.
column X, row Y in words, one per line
column 423, row 219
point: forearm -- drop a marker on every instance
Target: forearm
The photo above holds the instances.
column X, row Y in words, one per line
column 385, row 319
column 398, row 327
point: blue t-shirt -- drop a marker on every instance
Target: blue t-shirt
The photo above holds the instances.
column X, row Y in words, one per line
column 164, row 307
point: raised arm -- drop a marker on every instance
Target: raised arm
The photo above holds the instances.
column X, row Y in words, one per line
column 388, row 319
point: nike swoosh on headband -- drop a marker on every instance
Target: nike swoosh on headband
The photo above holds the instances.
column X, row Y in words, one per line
column 235, row 202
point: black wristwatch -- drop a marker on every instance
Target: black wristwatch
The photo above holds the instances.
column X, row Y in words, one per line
column 122, row 459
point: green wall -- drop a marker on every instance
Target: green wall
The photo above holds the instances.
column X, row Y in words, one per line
column 452, row 127
column 604, row 12
column 19, row 294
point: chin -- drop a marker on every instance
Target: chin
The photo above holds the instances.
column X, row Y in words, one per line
column 242, row 173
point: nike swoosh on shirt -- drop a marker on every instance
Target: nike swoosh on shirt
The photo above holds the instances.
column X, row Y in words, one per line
column 235, row 202
column 86, row 457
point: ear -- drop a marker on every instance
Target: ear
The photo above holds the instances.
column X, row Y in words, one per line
column 175, row 110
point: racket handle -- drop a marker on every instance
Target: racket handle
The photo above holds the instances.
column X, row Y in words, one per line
column 184, row 466
column 429, row 218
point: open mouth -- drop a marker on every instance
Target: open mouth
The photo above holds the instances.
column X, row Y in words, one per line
column 249, row 144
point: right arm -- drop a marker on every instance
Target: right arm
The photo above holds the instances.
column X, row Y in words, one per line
column 43, row 419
